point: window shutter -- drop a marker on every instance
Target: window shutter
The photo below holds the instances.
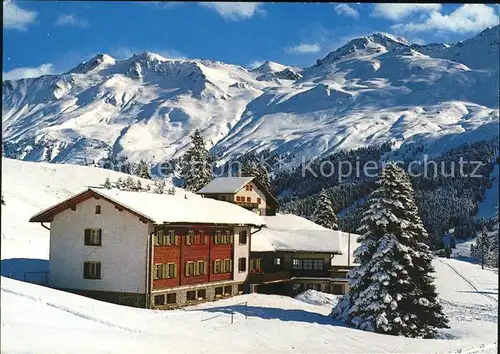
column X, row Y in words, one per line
column 155, row 273
column 175, row 270
column 176, row 237
column 100, row 236
column 164, row 271
column 87, row 236
column 98, row 270
column 215, row 267
column 231, row 239
column 186, row 269
column 230, row 266
column 85, row 268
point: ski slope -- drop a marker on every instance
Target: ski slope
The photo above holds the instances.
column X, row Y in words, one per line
column 37, row 319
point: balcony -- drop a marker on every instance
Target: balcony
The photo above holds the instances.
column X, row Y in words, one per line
column 269, row 277
column 247, row 205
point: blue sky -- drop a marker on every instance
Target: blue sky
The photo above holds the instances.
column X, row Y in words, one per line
column 52, row 37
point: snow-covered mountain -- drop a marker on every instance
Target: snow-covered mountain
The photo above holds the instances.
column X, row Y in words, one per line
column 373, row 89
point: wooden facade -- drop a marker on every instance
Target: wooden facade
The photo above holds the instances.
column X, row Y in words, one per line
column 289, row 273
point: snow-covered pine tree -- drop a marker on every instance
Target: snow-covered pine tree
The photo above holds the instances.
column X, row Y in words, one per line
column 429, row 310
column 129, row 184
column 248, row 166
column 323, row 213
column 142, row 170
column 251, row 168
column 120, row 184
column 159, row 187
column 263, row 177
column 197, row 171
column 492, row 259
column 107, row 183
column 138, row 186
column 171, row 190
column 387, row 291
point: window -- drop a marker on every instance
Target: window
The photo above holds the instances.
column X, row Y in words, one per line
column 228, row 290
column 243, row 237
column 217, row 266
column 165, row 271
column 222, row 197
column 93, row 237
column 308, row 264
column 241, row 288
column 259, row 200
column 249, row 187
column 218, row 291
column 171, row 298
column 228, row 266
column 227, row 238
column 242, row 265
column 218, row 237
column 189, row 269
column 203, row 237
column 190, row 237
column 200, row 268
column 92, row 270
column 277, row 261
column 255, row 264
column 162, row 239
column 191, row 295
column 159, row 300
column 97, row 209
column 249, row 199
column 223, row 239
column 201, row 294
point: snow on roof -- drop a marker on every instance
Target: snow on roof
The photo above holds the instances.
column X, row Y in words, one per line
column 174, row 208
column 161, row 208
column 225, row 185
column 287, row 232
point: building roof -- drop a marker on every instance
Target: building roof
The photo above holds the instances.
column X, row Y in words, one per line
column 291, row 233
column 228, row 185
column 163, row 208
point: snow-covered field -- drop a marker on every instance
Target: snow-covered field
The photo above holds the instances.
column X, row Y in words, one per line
column 37, row 319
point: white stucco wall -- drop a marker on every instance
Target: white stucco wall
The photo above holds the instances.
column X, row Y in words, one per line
column 122, row 254
column 254, row 194
column 240, row 251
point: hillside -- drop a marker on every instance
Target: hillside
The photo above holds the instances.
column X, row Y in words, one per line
column 30, row 187
column 373, row 89
column 35, row 317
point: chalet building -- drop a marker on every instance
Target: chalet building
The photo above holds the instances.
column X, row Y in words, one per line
column 292, row 254
column 148, row 250
column 246, row 192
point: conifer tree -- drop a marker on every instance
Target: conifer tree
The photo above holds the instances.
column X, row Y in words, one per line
column 323, row 213
column 129, row 184
column 197, row 170
column 120, row 184
column 171, row 190
column 142, row 170
column 392, row 291
column 107, row 183
column 159, row 187
column 251, row 168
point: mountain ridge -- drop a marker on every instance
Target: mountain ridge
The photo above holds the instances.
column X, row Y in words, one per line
column 373, row 89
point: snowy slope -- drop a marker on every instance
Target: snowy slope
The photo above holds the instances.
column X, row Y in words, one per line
column 371, row 90
column 36, row 319
column 42, row 320
column 30, row 187
column 487, row 208
column 480, row 52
